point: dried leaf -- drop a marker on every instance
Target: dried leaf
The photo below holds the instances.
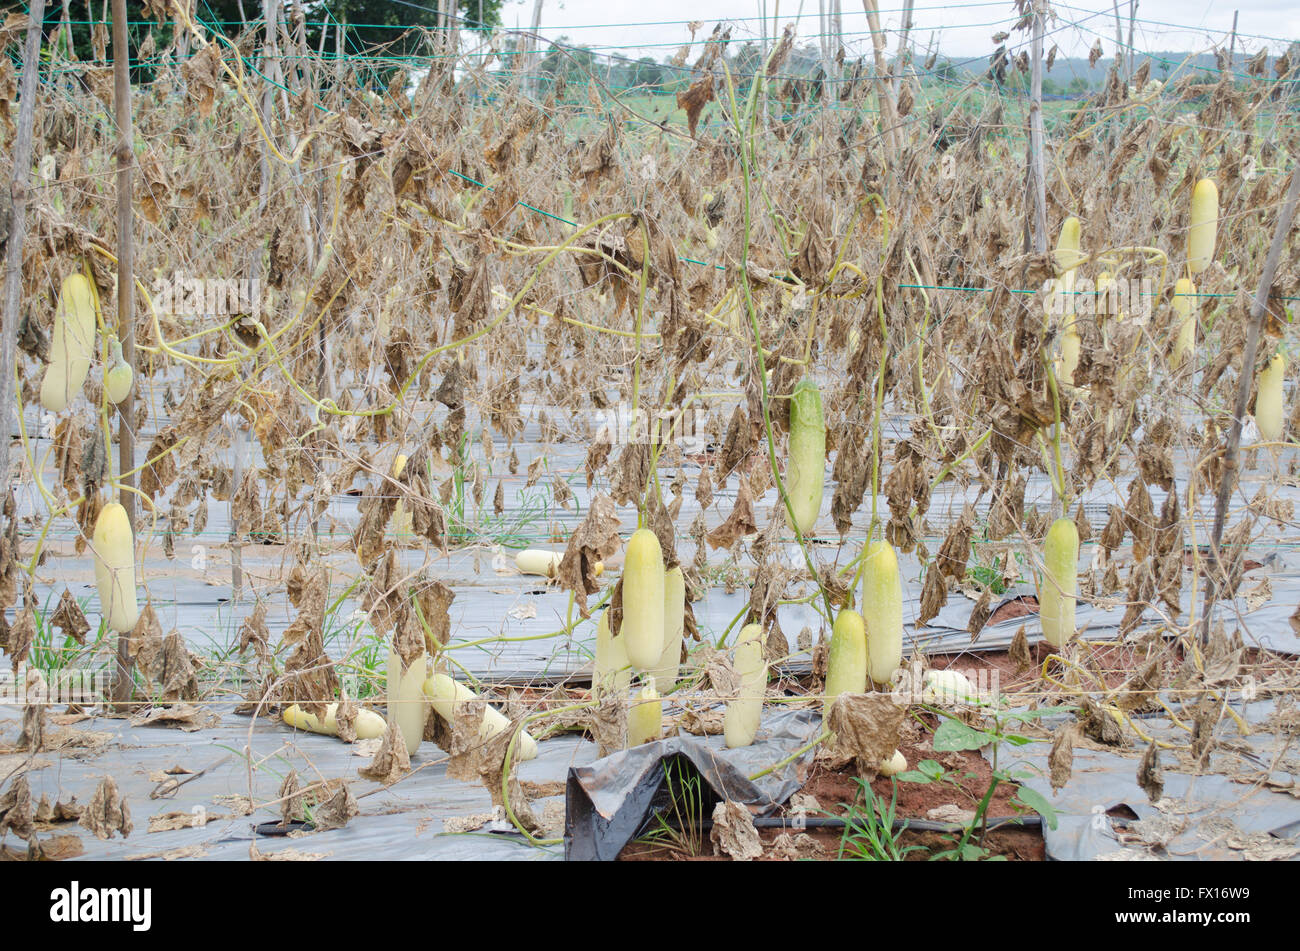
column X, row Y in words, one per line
column 733, row 832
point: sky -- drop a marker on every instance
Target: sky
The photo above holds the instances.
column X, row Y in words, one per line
column 962, row 30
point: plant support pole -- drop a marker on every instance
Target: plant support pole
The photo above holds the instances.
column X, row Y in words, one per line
column 1244, row 385
column 125, row 152
column 21, row 180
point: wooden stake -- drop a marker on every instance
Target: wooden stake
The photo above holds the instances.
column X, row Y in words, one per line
column 22, row 174
column 125, row 153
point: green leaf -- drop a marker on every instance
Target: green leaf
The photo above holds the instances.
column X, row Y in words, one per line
column 913, row 776
column 1037, row 802
column 931, row 768
column 1015, row 739
column 953, row 735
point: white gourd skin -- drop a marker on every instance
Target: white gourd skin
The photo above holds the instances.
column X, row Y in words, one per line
column 743, row 714
column 846, row 662
column 1071, row 341
column 1203, row 229
column 400, row 524
column 643, row 600
column 537, row 562
column 1269, row 401
column 1071, row 346
column 894, row 765
column 1056, row 597
column 406, row 706
column 948, row 686
column 445, row 695
column 117, row 383
column 1183, row 301
column 882, row 611
column 645, row 720
column 1067, row 246
column 666, row 671
column 72, row 343
column 611, row 672
column 114, row 551
column 119, row 376
column 368, row 725
column 806, row 470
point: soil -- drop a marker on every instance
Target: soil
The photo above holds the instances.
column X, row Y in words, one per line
column 1018, row 845
column 835, row 790
column 1013, row 608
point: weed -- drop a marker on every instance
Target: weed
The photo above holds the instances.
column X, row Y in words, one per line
column 679, row 828
column 872, row 832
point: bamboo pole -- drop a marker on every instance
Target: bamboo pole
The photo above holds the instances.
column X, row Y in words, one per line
column 125, row 154
column 884, row 93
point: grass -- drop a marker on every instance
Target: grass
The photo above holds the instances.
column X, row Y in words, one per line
column 872, row 832
column 47, row 653
column 678, row 829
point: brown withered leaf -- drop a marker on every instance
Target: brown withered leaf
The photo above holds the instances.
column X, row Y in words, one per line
column 739, row 523
column 934, row 595
column 309, row 676
column 54, row 849
column 283, row 855
column 173, row 821
column 1149, row 775
column 1061, row 758
column 336, row 810
column 980, row 614
column 69, row 618
column 434, row 600
column 369, row 540
column 707, row 722
column 1007, row 509
column 1141, row 588
column 292, row 800
column 1141, row 688
column 866, row 727
column 253, row 633
column 32, row 735
column 1019, row 652
column 1139, row 518
column 1082, row 525
column 733, row 832
column 608, row 724
column 631, row 473
column 181, row 716
column 166, row 662
column 695, row 98
column 22, row 634
column 391, row 762
column 594, row 540
column 954, row 553
column 107, row 812
column 1112, row 536
column 1098, row 724
column 16, row 808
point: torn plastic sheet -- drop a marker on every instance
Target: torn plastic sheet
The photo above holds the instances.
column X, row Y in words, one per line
column 1102, row 813
column 608, row 802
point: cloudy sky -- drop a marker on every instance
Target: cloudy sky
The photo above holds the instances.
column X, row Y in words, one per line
column 960, row 30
